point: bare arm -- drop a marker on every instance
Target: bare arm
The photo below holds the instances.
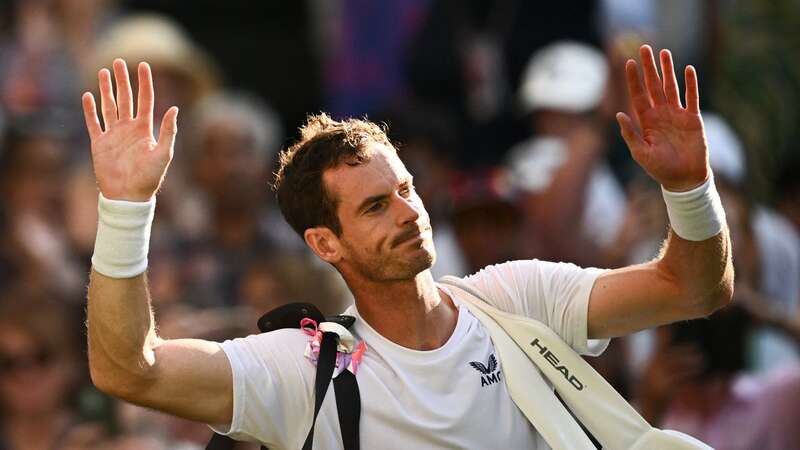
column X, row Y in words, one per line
column 690, row 279
column 190, row 378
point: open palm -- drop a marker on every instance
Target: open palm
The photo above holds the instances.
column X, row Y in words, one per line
column 129, row 164
column 672, row 146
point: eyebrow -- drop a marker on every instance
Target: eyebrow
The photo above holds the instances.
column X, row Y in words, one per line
column 376, row 198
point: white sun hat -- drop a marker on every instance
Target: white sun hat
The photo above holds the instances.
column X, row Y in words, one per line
column 564, row 76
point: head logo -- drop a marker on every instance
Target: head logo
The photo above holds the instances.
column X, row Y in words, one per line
column 488, row 375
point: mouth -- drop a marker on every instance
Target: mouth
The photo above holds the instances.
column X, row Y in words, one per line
column 413, row 235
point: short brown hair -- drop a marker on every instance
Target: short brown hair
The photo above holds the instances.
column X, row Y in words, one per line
column 324, row 144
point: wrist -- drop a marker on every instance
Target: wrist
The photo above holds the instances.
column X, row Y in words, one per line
column 123, row 237
column 696, row 214
column 687, row 185
column 132, row 197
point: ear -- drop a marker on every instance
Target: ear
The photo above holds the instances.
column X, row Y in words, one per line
column 324, row 242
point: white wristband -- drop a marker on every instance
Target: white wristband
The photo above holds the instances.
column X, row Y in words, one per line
column 123, row 237
column 695, row 215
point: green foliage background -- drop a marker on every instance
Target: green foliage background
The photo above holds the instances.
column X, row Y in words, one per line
column 758, row 84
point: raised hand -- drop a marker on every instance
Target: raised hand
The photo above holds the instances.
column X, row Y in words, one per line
column 672, row 145
column 128, row 162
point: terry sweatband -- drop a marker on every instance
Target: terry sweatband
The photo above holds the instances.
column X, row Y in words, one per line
column 123, row 237
column 695, row 215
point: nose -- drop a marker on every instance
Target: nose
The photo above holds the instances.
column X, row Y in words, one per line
column 409, row 209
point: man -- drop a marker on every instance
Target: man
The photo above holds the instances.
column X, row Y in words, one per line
column 343, row 188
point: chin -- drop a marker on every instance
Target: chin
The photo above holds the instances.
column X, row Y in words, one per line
column 407, row 269
column 421, row 262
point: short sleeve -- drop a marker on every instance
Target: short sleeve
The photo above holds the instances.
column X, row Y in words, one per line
column 556, row 294
column 271, row 388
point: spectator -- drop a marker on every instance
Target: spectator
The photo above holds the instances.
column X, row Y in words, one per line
column 696, row 384
column 231, row 219
column 768, row 264
column 484, row 205
column 32, row 169
column 39, row 370
column 574, row 206
column 36, row 74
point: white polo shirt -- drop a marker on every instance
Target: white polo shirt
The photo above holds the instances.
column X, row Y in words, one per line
column 452, row 397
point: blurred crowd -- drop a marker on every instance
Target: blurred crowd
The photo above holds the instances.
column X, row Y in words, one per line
column 504, row 112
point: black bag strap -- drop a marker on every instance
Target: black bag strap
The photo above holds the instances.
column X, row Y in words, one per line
column 348, row 405
column 325, row 366
column 348, row 398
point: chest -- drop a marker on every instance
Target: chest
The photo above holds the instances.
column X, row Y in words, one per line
column 454, row 399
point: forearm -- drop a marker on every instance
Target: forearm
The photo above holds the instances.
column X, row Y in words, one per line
column 697, row 254
column 702, row 270
column 690, row 279
column 121, row 331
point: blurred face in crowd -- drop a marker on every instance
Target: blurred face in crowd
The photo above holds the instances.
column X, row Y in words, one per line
column 34, row 377
column 227, row 164
column 34, row 180
column 386, row 231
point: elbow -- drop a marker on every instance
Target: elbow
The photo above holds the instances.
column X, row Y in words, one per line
column 716, row 300
column 101, row 381
column 115, row 380
column 718, row 297
column 128, row 389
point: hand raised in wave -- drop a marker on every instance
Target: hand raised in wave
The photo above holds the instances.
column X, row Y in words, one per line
column 129, row 164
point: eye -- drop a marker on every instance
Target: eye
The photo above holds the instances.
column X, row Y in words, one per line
column 377, row 206
column 406, row 190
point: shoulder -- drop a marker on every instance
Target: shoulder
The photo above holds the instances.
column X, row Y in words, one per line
column 267, row 349
column 529, row 273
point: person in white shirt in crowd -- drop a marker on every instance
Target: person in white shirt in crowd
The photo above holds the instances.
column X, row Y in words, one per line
column 772, row 288
column 345, row 191
column 574, row 204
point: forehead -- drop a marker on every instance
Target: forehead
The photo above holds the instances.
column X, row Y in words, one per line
column 380, row 174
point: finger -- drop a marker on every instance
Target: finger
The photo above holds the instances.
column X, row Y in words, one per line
column 692, row 93
column 670, row 82
column 146, row 94
column 635, row 142
column 90, row 115
column 169, row 128
column 639, row 99
column 651, row 79
column 124, row 94
column 107, row 103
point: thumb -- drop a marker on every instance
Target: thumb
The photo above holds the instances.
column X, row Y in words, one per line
column 635, row 142
column 169, row 128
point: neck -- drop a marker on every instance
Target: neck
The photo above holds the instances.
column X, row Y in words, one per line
column 411, row 313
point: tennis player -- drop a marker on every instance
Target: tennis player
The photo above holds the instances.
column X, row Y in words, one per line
column 430, row 377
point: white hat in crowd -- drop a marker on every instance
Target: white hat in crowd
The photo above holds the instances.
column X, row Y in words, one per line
column 564, row 76
column 162, row 42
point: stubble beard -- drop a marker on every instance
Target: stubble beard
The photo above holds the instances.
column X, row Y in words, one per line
column 390, row 267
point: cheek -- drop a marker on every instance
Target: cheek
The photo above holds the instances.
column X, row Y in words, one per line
column 367, row 236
